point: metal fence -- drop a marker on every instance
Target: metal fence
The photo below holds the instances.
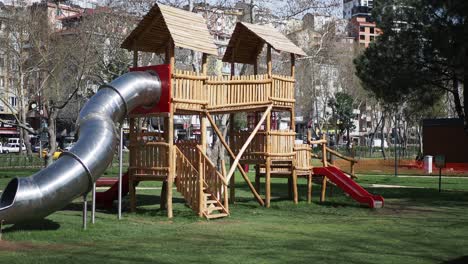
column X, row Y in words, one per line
column 17, row 161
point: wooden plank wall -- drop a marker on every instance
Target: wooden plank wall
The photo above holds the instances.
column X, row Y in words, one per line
column 148, row 152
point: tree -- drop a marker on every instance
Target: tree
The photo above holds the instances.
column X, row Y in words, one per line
column 342, row 107
column 419, row 57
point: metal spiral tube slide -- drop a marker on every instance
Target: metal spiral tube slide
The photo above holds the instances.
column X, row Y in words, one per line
column 73, row 174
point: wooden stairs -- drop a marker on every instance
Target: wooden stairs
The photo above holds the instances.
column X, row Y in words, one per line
column 213, row 207
column 208, row 202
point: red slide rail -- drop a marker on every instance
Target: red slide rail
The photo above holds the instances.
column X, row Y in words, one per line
column 350, row 186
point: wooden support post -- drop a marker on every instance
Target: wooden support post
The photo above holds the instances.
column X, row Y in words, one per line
column 257, row 178
column 135, row 58
column 201, row 179
column 225, row 187
column 232, row 182
column 325, row 164
column 204, row 64
column 233, row 69
column 203, row 136
column 169, row 129
column 294, row 181
column 309, row 188
column 268, row 163
column 269, row 64
column 293, row 65
column 255, row 67
column 163, row 200
column 239, row 167
column 132, row 190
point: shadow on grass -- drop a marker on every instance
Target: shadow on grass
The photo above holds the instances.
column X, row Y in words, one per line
column 460, row 260
column 37, row 225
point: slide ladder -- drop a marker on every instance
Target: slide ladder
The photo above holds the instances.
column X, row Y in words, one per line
column 348, row 185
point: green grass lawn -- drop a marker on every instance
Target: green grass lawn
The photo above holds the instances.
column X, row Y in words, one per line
column 417, row 225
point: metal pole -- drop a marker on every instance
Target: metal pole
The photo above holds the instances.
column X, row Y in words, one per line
column 93, row 211
column 120, row 172
column 85, row 210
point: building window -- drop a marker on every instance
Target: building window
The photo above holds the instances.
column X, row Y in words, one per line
column 372, row 30
column 362, row 37
column 362, row 29
column 13, row 101
column 2, row 81
column 2, row 62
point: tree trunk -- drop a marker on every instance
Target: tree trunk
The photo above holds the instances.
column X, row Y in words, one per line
column 465, row 97
column 348, row 145
column 382, row 145
column 456, row 99
column 420, row 140
column 52, row 133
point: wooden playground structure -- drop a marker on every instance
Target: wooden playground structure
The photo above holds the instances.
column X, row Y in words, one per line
column 154, row 156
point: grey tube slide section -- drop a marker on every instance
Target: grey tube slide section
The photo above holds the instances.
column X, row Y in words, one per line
column 72, row 175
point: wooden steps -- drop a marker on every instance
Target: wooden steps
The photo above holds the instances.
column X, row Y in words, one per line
column 188, row 183
column 213, row 207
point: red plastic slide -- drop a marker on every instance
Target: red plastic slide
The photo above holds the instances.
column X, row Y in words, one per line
column 107, row 197
column 351, row 187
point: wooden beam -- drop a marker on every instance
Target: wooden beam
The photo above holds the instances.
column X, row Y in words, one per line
column 135, row 58
column 204, row 66
column 269, row 65
column 169, row 129
column 268, row 160
column 293, row 65
column 233, row 156
column 246, row 144
column 232, row 182
column 325, row 164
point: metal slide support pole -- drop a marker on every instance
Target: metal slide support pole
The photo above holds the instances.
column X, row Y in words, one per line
column 120, row 173
column 85, row 210
column 93, row 210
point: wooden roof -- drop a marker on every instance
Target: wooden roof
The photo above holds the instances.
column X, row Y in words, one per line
column 187, row 29
column 248, row 40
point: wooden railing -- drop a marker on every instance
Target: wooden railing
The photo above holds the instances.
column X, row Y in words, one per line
column 189, row 148
column 351, row 161
column 239, row 91
column 195, row 180
column 282, row 145
column 193, row 91
column 303, row 157
column 214, row 183
column 328, row 151
column 283, row 90
column 187, row 180
column 189, row 90
column 254, row 151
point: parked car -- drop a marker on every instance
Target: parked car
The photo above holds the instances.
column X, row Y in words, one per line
column 13, row 148
column 56, row 155
column 69, row 146
column 378, row 143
